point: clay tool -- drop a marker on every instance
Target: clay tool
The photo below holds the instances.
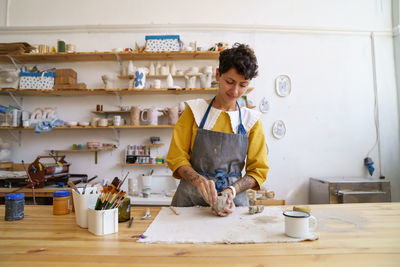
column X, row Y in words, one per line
column 146, row 215
column 72, row 185
column 130, row 222
column 174, row 210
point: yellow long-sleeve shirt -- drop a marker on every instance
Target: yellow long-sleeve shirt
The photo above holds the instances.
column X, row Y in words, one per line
column 180, row 149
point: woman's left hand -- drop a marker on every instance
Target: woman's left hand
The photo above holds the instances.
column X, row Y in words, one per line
column 232, row 206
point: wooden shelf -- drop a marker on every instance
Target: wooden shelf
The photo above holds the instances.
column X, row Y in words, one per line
column 140, row 165
column 93, row 128
column 81, row 151
column 160, row 76
column 159, row 144
column 110, row 56
column 110, row 111
column 89, row 92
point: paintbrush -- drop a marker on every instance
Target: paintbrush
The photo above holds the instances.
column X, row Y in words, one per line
column 130, row 222
column 120, row 184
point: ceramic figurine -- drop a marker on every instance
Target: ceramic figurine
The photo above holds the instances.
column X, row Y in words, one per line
column 158, row 68
column 107, row 81
column 172, row 69
column 170, row 81
column 190, row 82
column 131, row 68
column 205, row 80
column 152, row 69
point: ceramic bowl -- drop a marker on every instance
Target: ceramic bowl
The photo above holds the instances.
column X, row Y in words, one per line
column 93, row 144
column 72, row 123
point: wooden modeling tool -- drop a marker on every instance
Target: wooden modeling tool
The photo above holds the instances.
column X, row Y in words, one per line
column 72, row 185
column 174, row 210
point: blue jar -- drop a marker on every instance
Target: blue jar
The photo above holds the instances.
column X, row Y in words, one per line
column 14, row 206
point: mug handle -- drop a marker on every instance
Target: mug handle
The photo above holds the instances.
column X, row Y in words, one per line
column 314, row 223
column 141, row 115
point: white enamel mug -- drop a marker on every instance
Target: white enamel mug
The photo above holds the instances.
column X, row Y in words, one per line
column 297, row 224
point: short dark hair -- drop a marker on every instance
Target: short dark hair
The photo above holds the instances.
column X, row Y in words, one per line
column 242, row 58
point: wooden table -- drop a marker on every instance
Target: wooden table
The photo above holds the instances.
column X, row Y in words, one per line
column 39, row 192
column 359, row 235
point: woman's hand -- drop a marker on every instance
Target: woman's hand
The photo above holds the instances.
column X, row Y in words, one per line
column 207, row 190
column 232, row 206
column 205, row 187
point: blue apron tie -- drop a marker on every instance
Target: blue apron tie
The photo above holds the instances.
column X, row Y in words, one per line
column 221, row 183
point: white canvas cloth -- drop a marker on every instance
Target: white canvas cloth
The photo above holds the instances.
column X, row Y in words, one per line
column 199, row 225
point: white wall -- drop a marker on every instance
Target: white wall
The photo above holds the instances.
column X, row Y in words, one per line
column 324, row 46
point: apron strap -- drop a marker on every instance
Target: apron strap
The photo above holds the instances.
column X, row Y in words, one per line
column 241, row 129
column 221, row 183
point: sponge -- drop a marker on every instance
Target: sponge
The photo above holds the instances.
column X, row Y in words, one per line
column 302, row 208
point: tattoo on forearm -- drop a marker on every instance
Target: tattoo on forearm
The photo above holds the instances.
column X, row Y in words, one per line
column 189, row 175
column 245, row 183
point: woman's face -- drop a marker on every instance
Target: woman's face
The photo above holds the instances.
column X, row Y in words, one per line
column 232, row 85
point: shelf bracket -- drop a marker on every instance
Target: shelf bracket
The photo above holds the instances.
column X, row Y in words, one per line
column 121, row 66
column 19, row 103
column 17, row 138
column 117, row 135
column 119, row 97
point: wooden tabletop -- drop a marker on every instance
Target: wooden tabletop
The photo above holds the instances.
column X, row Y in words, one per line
column 350, row 235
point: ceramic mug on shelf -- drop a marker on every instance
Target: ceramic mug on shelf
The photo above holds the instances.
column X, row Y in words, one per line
column 117, row 120
column 152, row 115
column 297, row 224
column 157, row 84
column 103, row 123
column 135, row 115
column 94, row 121
column 173, row 115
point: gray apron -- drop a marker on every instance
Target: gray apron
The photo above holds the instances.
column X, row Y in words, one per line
column 217, row 156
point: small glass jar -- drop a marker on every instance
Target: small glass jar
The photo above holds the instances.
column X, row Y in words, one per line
column 61, row 202
column 124, row 210
column 14, row 206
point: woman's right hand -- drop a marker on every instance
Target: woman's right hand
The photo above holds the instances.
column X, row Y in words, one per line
column 207, row 190
column 205, row 187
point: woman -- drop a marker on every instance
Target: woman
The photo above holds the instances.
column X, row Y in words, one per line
column 213, row 140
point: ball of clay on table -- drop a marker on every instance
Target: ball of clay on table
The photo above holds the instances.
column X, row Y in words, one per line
column 221, row 203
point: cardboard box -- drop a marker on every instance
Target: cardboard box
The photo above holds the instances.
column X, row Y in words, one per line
column 66, row 73
column 65, row 80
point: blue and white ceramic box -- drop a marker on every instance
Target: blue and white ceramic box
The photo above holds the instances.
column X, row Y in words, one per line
column 36, row 80
column 163, row 43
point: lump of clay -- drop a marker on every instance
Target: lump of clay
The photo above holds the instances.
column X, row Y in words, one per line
column 256, row 209
column 221, row 203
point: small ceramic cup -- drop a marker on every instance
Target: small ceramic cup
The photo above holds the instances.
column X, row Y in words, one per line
column 103, row 123
column 297, row 224
column 157, row 84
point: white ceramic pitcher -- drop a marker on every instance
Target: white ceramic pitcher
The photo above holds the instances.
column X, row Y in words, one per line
column 152, row 115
